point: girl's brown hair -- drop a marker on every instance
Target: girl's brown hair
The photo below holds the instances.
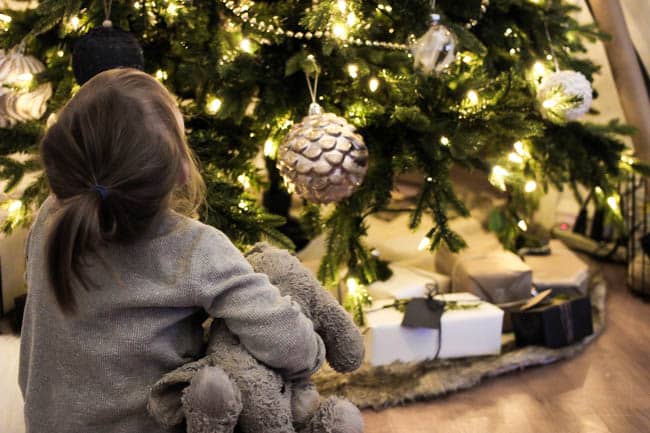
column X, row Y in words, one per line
column 115, row 159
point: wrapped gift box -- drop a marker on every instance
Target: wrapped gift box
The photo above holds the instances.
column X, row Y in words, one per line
column 407, row 282
column 497, row 276
column 466, row 332
column 562, row 271
column 555, row 324
column 484, row 267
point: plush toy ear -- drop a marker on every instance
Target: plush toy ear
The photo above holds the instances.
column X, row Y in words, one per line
column 164, row 403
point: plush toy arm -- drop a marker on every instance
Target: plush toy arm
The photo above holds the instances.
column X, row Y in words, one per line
column 343, row 341
column 212, row 403
column 164, row 403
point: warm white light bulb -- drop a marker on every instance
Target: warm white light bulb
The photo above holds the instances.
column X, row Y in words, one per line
column 74, row 22
column 15, row 206
column 539, row 69
column 5, row 19
column 522, row 225
column 521, row 149
column 472, row 97
column 172, row 9
column 425, row 243
column 244, row 180
column 373, row 84
column 214, row 105
column 549, row 103
column 353, row 70
column 515, row 158
column 245, row 45
column 498, row 176
column 530, row 186
column 269, row 148
column 351, row 19
column 353, row 285
column 339, row 31
column 612, row 203
column 60, row 53
column 342, row 5
column 444, row 141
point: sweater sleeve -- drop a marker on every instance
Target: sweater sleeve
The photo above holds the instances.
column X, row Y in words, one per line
column 270, row 326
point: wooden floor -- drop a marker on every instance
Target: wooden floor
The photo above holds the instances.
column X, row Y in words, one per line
column 605, row 389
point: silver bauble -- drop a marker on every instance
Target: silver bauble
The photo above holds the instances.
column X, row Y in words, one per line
column 17, row 102
column 323, row 158
column 18, row 69
column 436, row 49
column 564, row 96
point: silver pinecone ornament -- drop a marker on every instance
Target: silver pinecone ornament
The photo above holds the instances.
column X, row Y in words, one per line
column 564, row 96
column 323, row 158
column 434, row 51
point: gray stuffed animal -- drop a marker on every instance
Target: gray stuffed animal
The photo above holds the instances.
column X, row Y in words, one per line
column 229, row 389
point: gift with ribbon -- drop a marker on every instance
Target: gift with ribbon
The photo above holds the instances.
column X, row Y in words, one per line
column 408, row 282
column 484, row 268
column 552, row 321
column 561, row 270
column 452, row 325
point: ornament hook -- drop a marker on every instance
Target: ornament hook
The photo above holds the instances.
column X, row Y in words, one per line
column 313, row 88
column 108, row 5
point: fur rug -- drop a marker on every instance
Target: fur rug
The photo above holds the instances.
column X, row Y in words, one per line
column 398, row 383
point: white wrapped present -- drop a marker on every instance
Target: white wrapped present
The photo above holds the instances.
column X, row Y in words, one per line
column 408, row 282
column 474, row 331
column 562, row 271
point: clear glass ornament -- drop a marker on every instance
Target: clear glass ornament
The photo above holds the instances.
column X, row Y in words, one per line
column 434, row 51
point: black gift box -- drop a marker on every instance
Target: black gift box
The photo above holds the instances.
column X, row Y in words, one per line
column 555, row 324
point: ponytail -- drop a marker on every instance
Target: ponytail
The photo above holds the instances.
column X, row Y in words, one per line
column 74, row 233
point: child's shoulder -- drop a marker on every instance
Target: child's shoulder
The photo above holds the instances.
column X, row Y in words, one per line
column 202, row 233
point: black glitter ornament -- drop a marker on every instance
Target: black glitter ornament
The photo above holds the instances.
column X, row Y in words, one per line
column 104, row 48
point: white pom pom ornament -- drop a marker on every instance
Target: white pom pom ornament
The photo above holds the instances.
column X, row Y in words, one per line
column 564, row 96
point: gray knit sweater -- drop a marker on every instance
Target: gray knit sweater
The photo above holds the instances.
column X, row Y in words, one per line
column 91, row 372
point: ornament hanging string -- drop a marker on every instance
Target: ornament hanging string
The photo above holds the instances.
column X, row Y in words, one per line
column 550, row 46
column 313, row 89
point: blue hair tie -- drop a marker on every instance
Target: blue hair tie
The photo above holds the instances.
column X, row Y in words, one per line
column 102, row 190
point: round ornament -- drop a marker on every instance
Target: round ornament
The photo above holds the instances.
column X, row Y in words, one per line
column 323, row 158
column 564, row 96
column 104, row 48
column 23, row 106
column 17, row 102
column 18, row 69
column 434, row 51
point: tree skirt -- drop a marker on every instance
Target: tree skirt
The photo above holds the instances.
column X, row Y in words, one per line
column 398, row 383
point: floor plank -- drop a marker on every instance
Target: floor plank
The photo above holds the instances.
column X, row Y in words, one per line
column 605, row 389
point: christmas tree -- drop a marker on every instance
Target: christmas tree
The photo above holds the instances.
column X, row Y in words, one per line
column 491, row 86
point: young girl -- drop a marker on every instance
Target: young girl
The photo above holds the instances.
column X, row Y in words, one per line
column 119, row 282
